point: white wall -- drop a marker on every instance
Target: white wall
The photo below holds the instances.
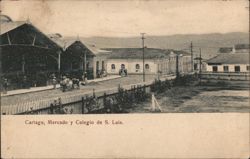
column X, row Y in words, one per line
column 243, row 67
column 165, row 65
column 99, row 58
column 130, row 65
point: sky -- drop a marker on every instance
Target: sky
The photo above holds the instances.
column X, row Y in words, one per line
column 124, row 18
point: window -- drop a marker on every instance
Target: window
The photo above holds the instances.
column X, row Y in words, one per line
column 237, row 68
column 248, row 68
column 147, row 66
column 122, row 66
column 137, row 66
column 215, row 69
column 102, row 65
column 113, row 66
column 195, row 66
column 97, row 65
column 225, row 68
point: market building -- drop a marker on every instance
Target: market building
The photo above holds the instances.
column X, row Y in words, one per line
column 28, row 56
column 79, row 57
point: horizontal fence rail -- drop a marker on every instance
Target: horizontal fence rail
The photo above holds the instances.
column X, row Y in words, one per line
column 226, row 75
column 113, row 100
column 106, row 103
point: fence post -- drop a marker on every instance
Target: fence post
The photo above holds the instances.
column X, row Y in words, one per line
column 51, row 108
column 83, row 105
column 144, row 91
column 60, row 103
column 93, row 92
column 104, row 100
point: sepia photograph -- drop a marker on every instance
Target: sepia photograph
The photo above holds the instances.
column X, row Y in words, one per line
column 76, row 60
column 157, row 58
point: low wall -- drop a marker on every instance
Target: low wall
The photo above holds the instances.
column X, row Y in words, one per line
column 226, row 76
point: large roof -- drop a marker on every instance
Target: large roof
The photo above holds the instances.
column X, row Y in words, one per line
column 230, row 58
column 8, row 26
column 65, row 43
column 23, row 33
column 149, row 53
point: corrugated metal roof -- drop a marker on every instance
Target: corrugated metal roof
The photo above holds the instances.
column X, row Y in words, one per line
column 43, row 41
column 230, row 58
column 8, row 26
column 67, row 42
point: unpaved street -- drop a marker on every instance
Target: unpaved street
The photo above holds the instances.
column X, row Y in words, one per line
column 200, row 99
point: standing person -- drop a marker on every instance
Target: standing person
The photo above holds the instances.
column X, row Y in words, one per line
column 85, row 78
column 25, row 85
column 5, row 86
column 54, row 82
column 63, row 84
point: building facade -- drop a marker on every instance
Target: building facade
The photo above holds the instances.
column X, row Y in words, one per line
column 156, row 61
column 28, row 56
column 231, row 62
column 79, row 57
column 230, row 66
column 133, row 66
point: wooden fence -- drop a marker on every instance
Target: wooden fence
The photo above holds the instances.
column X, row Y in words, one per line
column 117, row 102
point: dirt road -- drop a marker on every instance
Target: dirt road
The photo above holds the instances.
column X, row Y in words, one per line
column 198, row 100
column 52, row 94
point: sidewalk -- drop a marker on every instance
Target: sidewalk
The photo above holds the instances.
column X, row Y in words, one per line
column 50, row 87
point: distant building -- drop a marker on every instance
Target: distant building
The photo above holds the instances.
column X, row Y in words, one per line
column 241, row 48
column 238, row 48
column 231, row 62
column 226, row 50
column 157, row 61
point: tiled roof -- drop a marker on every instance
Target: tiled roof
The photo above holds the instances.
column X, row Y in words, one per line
column 137, row 53
column 230, row 58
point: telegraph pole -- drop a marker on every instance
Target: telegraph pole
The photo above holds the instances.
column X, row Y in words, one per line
column 177, row 66
column 192, row 58
column 200, row 65
column 143, row 60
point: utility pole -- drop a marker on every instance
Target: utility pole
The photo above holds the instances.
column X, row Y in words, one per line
column 59, row 61
column 192, row 58
column 177, row 66
column 200, row 65
column 143, row 60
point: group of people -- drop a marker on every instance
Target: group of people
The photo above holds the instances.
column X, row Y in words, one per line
column 123, row 72
column 70, row 83
column 101, row 73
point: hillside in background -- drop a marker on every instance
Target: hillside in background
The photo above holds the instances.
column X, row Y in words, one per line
column 209, row 43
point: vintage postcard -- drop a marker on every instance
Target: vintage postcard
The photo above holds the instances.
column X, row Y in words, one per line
column 125, row 79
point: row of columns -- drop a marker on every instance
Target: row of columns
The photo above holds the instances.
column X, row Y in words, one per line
column 83, row 63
